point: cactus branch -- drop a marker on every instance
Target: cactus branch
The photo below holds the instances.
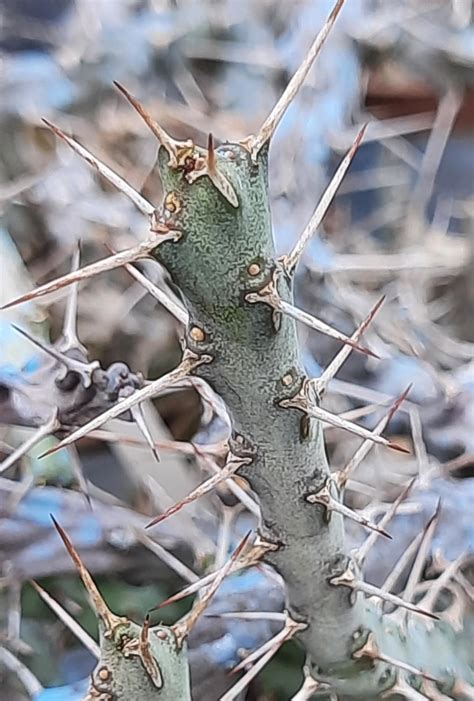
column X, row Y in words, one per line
column 135, row 662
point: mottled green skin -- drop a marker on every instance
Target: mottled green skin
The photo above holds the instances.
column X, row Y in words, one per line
column 250, row 359
column 128, row 679
column 209, row 264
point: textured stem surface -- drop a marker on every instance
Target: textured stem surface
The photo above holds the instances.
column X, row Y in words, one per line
column 225, row 253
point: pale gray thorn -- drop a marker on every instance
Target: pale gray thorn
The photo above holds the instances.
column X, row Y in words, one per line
column 47, row 429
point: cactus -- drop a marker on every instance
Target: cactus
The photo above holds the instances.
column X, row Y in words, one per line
column 213, row 234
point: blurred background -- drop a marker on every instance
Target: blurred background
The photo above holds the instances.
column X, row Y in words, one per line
column 401, row 225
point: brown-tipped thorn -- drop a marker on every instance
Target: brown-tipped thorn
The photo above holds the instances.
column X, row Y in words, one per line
column 269, row 295
column 147, row 658
column 76, row 629
column 211, row 154
column 84, row 370
column 305, row 402
column 268, row 128
column 149, row 391
column 290, row 628
column 163, row 137
column 342, row 476
column 325, row 498
column 139, row 418
column 337, row 362
column 142, row 250
column 264, row 653
column 109, row 620
column 361, row 554
column 116, row 180
column 423, row 550
column 227, row 471
column 291, row 260
column 348, row 579
column 183, row 627
column 218, row 179
column 371, row 650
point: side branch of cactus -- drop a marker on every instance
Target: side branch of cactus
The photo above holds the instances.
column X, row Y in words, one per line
column 135, row 662
column 224, row 254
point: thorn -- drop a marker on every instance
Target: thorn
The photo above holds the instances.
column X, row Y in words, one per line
column 49, row 427
column 462, row 688
column 251, row 558
column 368, row 544
column 140, row 395
column 325, row 498
column 209, row 167
column 343, row 475
column 291, row 260
column 420, row 560
column 84, row 370
column 249, row 615
column 168, row 558
column 149, row 662
column 183, row 628
column 69, row 338
column 348, row 579
column 139, row 418
column 164, row 299
column 13, row 664
column 269, row 295
column 288, row 631
column 310, row 687
column 142, row 250
column 401, row 564
column 211, row 154
column 268, row 128
column 171, row 146
column 318, row 325
column 231, row 466
column 432, row 692
column 140, row 202
column 431, row 596
column 109, row 619
column 371, row 650
column 264, row 653
column 76, row 629
column 335, row 365
column 303, row 402
column 405, row 690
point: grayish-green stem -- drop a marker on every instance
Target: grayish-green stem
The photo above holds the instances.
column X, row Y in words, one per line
column 224, row 253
